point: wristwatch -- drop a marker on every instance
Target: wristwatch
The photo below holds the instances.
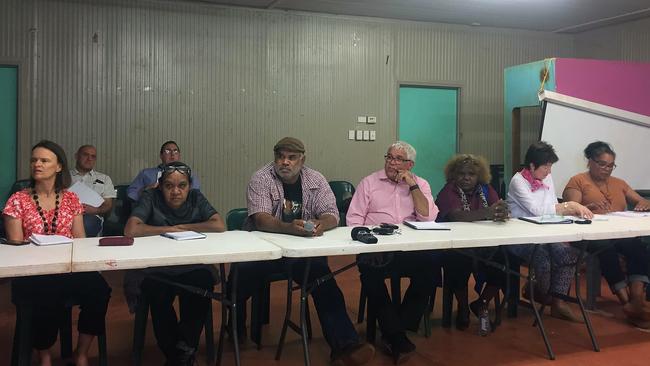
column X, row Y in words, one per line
column 414, row 187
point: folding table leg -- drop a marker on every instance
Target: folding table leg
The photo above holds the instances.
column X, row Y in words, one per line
column 287, row 316
column 233, row 311
column 303, row 312
column 538, row 318
column 585, row 316
column 224, row 314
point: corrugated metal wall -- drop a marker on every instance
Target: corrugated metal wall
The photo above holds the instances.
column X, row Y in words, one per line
column 226, row 83
column 629, row 41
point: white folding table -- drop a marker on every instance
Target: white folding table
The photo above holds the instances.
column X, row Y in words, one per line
column 32, row 260
column 155, row 251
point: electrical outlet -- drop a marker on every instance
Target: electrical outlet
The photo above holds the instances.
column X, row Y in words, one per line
column 373, row 135
column 362, row 119
column 372, row 119
column 351, row 135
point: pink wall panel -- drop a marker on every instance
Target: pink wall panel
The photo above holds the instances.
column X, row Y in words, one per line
column 618, row 84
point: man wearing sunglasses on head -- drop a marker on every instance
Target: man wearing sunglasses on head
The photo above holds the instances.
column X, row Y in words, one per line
column 148, row 178
column 173, row 207
column 392, row 195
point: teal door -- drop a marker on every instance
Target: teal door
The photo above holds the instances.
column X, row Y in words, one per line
column 428, row 120
column 8, row 121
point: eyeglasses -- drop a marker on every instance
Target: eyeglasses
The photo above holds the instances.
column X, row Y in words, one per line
column 604, row 165
column 390, row 158
column 183, row 169
column 171, row 151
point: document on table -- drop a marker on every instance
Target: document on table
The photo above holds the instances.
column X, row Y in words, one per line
column 426, row 225
column 86, row 194
column 549, row 219
column 39, row 239
column 630, row 213
column 185, row 235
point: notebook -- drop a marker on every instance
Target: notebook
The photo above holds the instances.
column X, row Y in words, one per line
column 426, row 225
column 40, row 239
column 184, row 235
column 630, row 213
column 551, row 219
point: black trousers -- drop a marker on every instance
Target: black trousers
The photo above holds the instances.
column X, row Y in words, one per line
column 192, row 308
column 636, row 258
column 337, row 327
column 458, row 267
column 421, row 268
column 50, row 294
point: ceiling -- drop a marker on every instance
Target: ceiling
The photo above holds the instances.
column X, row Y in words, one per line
column 560, row 16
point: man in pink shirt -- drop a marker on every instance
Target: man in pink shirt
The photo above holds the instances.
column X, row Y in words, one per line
column 392, row 195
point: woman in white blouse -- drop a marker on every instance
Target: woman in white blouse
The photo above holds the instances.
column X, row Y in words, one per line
column 532, row 193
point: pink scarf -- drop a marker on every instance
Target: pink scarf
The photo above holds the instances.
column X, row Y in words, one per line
column 535, row 184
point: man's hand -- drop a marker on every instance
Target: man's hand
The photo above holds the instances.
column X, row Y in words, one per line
column 297, row 227
column 406, row 176
column 90, row 210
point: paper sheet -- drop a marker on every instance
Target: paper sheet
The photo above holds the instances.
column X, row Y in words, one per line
column 86, row 194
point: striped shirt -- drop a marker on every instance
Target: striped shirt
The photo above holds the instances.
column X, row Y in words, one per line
column 266, row 194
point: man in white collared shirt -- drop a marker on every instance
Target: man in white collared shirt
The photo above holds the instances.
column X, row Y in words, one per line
column 86, row 157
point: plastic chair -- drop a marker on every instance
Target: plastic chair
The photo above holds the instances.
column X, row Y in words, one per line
column 115, row 221
column 343, row 191
column 19, row 185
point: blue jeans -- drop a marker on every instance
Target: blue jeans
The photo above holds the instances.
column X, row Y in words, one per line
column 92, row 225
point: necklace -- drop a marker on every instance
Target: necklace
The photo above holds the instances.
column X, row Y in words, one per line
column 605, row 192
column 463, row 198
column 47, row 229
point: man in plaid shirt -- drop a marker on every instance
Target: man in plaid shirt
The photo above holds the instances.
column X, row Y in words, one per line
column 287, row 197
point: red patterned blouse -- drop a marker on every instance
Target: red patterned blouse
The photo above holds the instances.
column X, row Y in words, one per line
column 21, row 206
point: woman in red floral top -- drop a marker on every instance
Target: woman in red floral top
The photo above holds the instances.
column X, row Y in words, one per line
column 46, row 207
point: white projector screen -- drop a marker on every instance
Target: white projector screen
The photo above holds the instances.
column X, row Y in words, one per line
column 570, row 128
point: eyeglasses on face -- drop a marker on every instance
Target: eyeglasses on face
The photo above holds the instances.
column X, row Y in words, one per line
column 390, row 158
column 171, row 151
column 604, row 165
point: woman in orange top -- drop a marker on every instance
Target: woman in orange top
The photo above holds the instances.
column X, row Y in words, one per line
column 602, row 193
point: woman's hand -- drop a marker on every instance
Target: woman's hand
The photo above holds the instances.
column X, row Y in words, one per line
column 580, row 210
column 499, row 211
column 643, row 205
column 600, row 206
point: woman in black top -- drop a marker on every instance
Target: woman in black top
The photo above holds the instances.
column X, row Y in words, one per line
column 173, row 207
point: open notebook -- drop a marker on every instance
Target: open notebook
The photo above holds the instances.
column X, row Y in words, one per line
column 185, row 235
column 550, row 219
column 426, row 225
column 40, row 239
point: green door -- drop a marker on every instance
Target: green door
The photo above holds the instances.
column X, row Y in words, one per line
column 8, row 121
column 428, row 120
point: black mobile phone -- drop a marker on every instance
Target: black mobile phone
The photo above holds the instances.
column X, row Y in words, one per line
column 582, row 222
column 388, row 226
